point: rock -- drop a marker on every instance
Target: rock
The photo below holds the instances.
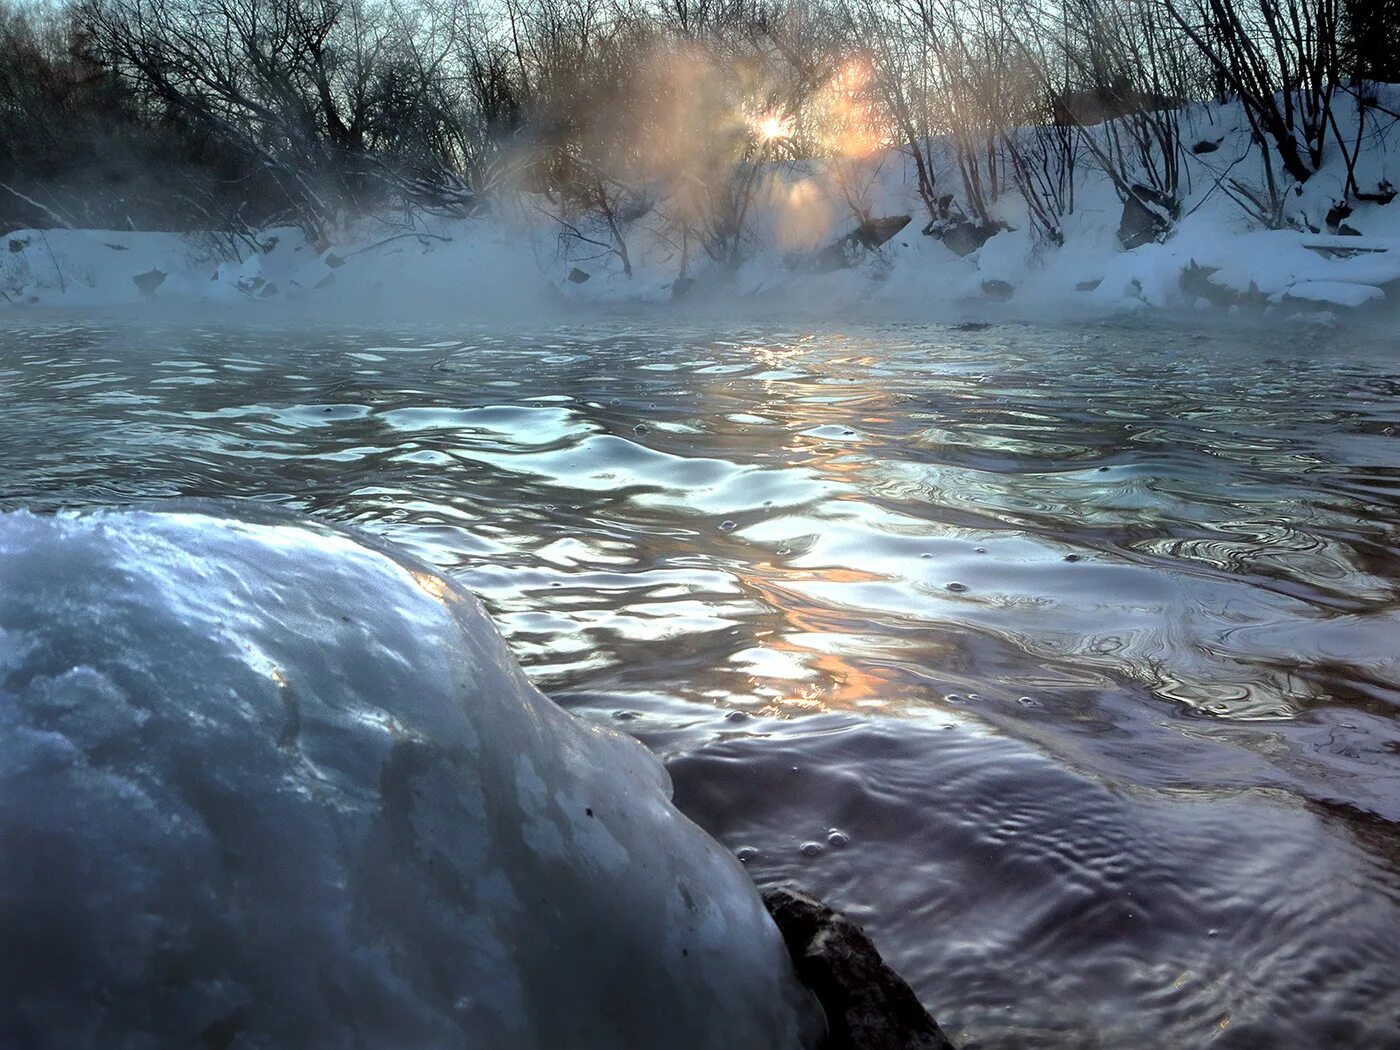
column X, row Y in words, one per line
column 963, row 236
column 1088, row 286
column 997, row 289
column 147, row 283
column 334, row 261
column 1384, row 194
column 578, row 276
column 1336, row 214
column 868, row 1006
column 869, row 235
column 1195, row 281
column 1148, row 216
column 1206, row 146
column 876, row 232
column 681, row 287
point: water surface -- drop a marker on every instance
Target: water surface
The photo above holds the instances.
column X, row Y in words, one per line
column 1085, row 642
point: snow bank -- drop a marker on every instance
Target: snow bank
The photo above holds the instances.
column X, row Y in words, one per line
column 517, row 258
column 264, row 785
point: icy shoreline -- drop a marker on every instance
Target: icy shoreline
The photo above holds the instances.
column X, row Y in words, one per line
column 480, row 273
column 1337, row 249
column 267, row 784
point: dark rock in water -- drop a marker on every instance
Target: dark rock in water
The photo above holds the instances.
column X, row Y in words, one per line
column 869, row 235
column 1088, row 286
column 578, row 276
column 995, row 289
column 1206, row 146
column 868, row 1006
column 1148, row 216
column 147, row 283
column 1348, row 231
column 334, row 261
column 971, row 326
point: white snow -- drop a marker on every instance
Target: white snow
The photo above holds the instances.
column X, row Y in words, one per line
column 264, row 784
column 513, row 259
column 1334, row 292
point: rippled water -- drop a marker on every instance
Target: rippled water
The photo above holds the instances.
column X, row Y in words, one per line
column 1085, row 640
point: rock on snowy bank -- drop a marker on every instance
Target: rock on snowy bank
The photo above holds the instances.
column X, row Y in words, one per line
column 263, row 783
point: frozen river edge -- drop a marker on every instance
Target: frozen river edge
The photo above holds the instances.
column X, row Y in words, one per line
column 266, row 780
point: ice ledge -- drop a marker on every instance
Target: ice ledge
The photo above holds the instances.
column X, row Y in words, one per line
column 264, row 782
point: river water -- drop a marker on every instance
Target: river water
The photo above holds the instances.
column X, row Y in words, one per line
column 1066, row 659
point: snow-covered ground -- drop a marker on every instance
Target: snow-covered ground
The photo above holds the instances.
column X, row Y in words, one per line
column 264, row 785
column 514, row 258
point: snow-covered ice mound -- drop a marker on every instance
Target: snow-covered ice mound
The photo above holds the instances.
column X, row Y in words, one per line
column 265, row 784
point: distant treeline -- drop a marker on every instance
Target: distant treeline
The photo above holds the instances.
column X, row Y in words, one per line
column 233, row 114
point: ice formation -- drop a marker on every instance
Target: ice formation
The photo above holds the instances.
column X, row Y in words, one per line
column 263, row 783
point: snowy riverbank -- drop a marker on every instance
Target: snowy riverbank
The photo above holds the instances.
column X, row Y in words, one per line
column 1338, row 247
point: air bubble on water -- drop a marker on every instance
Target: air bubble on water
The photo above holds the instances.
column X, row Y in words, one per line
column 784, row 550
column 957, row 588
column 728, row 526
column 955, row 698
column 981, row 550
column 1072, row 557
column 838, row 839
column 640, row 428
column 737, row 716
column 811, row 849
column 745, row 854
column 626, row 716
column 1029, row 701
column 926, row 554
column 974, row 697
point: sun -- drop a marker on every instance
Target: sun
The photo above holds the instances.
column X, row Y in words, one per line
column 771, row 127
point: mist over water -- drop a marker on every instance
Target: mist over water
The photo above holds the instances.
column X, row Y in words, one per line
column 1066, row 658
